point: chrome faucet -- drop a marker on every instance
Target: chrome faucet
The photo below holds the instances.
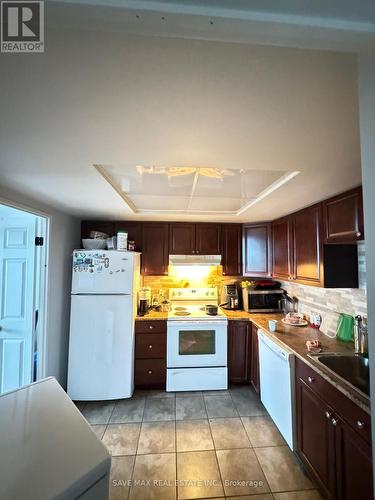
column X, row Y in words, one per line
column 360, row 336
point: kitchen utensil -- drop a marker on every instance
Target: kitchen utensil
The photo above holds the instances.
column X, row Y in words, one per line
column 112, row 243
column 211, row 309
column 294, row 319
column 345, row 327
column 94, row 244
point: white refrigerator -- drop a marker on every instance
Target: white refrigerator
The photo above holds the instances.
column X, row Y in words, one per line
column 105, row 285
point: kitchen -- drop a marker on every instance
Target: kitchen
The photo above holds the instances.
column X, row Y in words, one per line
column 185, row 343
column 231, row 164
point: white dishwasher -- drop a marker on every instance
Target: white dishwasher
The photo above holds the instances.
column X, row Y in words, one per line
column 276, row 369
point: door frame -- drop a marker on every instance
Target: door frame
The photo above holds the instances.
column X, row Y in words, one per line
column 41, row 337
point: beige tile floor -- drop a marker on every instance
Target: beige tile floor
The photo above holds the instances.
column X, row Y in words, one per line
column 200, row 445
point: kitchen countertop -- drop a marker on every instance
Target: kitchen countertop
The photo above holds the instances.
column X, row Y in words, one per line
column 153, row 315
column 294, row 338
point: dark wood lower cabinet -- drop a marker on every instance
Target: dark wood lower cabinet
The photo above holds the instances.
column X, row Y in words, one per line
column 315, row 437
column 354, row 464
column 239, row 351
column 150, row 354
column 333, row 438
column 254, row 370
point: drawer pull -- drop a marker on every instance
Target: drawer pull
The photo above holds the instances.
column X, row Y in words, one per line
column 328, row 414
column 360, row 425
column 358, row 234
column 149, row 372
column 334, row 421
column 151, row 327
column 150, row 346
column 311, row 379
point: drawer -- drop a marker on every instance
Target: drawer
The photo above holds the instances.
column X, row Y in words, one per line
column 357, row 418
column 151, row 326
column 149, row 345
column 150, row 372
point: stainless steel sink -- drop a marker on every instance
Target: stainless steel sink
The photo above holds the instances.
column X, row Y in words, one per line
column 352, row 368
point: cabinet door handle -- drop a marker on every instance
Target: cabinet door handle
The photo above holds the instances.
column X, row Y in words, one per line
column 334, row 422
column 360, row 424
column 358, row 234
column 151, row 327
column 149, row 372
column 311, row 379
column 193, row 251
column 150, row 346
column 328, row 414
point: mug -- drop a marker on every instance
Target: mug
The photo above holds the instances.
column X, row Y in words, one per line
column 272, row 325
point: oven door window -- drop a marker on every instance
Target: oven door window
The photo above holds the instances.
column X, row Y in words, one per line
column 196, row 342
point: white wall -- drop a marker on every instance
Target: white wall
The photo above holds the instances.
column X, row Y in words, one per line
column 367, row 133
column 64, row 237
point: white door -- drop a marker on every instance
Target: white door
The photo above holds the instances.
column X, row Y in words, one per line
column 101, row 347
column 102, row 272
column 17, row 271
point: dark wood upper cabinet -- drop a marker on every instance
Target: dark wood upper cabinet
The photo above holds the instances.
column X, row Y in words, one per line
column 154, row 248
column 257, row 250
column 231, row 249
column 239, row 351
column 208, row 239
column 282, row 248
column 134, row 230
column 181, row 238
column 343, row 217
column 308, row 247
column 254, row 363
column 189, row 238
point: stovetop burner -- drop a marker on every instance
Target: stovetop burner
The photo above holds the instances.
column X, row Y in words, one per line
column 182, row 313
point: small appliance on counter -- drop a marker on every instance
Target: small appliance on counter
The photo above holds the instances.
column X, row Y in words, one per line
column 262, row 301
column 144, row 300
column 229, row 297
column 289, row 304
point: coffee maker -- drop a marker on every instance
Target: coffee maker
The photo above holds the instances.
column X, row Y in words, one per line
column 144, row 300
column 229, row 296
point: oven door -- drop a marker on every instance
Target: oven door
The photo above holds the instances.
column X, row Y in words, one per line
column 196, row 344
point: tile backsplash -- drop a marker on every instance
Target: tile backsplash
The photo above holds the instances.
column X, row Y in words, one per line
column 328, row 302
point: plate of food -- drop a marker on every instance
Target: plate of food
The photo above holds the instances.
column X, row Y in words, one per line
column 294, row 319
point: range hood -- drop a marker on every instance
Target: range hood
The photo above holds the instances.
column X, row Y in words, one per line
column 194, row 260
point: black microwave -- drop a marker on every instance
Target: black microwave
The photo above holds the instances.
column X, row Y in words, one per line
column 262, row 300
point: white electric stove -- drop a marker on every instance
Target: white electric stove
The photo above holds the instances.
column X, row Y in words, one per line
column 196, row 342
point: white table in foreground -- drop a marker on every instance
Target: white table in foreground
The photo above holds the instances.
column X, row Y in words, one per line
column 47, row 449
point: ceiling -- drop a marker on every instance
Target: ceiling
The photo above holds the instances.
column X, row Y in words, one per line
column 192, row 190
column 105, row 98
